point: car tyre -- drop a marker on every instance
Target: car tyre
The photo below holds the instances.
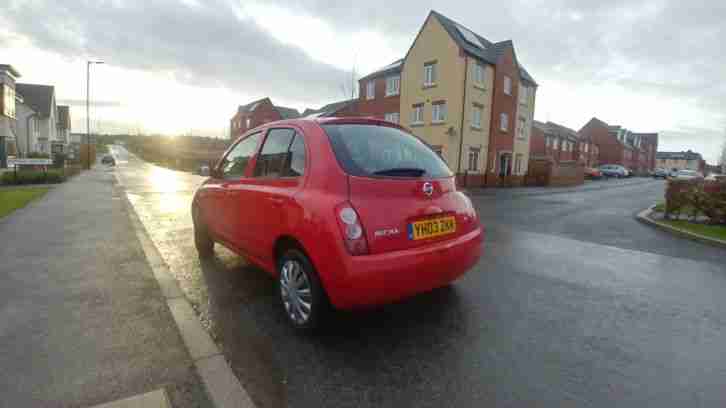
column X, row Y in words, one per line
column 302, row 296
column 202, row 241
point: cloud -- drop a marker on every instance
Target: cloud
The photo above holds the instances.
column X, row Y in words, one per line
column 208, row 44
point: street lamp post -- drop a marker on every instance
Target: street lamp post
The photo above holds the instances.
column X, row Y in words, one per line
column 88, row 110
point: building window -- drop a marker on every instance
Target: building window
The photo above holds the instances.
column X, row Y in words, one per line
column 557, row 144
column 473, row 159
column 587, row 147
column 518, row 163
column 249, row 122
column 8, row 101
column 523, row 94
column 479, row 73
column 417, row 114
column 476, row 112
column 522, row 129
column 371, row 90
column 503, row 122
column 393, row 85
column 507, row 85
column 392, row 117
column 438, row 112
column 429, row 73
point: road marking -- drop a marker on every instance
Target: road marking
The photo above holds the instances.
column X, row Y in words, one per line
column 154, row 399
column 220, row 381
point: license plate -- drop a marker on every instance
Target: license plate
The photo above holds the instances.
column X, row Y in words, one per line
column 431, row 228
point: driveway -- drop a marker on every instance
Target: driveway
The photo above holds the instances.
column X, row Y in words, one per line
column 573, row 304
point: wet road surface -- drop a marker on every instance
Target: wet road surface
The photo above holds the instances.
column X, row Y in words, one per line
column 573, row 304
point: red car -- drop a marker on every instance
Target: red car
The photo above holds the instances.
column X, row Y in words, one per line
column 344, row 212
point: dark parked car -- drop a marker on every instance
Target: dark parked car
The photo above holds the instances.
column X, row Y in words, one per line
column 108, row 160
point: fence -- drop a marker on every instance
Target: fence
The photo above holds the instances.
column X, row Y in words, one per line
column 543, row 171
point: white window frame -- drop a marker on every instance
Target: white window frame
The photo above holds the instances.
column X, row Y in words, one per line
column 393, row 85
column 392, row 117
column 473, row 159
column 476, row 114
column 438, row 112
column 523, row 94
column 507, row 85
column 417, row 114
column 504, row 122
column 371, row 89
column 429, row 74
column 518, row 159
column 479, row 73
column 522, row 129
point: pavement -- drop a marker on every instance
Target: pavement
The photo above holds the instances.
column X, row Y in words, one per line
column 82, row 319
column 574, row 303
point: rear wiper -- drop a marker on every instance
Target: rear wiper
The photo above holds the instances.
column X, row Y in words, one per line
column 401, row 172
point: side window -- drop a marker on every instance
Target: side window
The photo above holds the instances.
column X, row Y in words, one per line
column 297, row 157
column 274, row 154
column 234, row 164
column 282, row 155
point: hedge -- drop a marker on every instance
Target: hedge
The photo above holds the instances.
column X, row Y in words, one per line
column 51, row 176
column 699, row 197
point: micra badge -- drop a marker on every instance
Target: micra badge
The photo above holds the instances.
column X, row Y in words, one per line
column 386, row 232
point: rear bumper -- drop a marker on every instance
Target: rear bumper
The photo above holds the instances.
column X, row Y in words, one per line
column 384, row 278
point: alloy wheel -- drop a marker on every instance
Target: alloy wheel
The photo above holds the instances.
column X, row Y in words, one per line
column 296, row 291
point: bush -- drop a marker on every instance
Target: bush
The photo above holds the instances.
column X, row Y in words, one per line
column 36, row 155
column 52, row 176
column 697, row 198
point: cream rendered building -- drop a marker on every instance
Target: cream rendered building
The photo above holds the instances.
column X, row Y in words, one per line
column 450, row 97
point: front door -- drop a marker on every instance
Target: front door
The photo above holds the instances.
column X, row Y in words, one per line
column 504, row 164
column 233, row 206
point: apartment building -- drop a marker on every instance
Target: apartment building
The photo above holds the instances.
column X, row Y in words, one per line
column 257, row 113
column 587, row 151
column 688, row 160
column 471, row 100
column 619, row 145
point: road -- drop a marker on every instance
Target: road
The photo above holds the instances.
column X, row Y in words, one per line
column 573, row 304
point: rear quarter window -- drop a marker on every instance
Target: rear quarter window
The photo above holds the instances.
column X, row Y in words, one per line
column 382, row 151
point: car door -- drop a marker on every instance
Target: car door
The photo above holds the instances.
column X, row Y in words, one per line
column 277, row 176
column 234, row 206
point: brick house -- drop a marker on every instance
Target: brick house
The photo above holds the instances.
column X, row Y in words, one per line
column 555, row 141
column 587, row 151
column 471, row 100
column 619, row 145
column 348, row 107
column 380, row 93
column 257, row 113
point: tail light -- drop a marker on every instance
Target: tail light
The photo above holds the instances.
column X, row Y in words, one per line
column 350, row 226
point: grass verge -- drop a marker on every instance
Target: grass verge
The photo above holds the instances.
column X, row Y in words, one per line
column 12, row 199
column 711, row 231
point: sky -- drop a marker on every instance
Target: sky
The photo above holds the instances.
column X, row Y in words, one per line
column 183, row 66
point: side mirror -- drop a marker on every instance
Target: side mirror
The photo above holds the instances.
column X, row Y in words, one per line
column 215, row 173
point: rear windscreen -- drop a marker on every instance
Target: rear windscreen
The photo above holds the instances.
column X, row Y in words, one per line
column 381, row 151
